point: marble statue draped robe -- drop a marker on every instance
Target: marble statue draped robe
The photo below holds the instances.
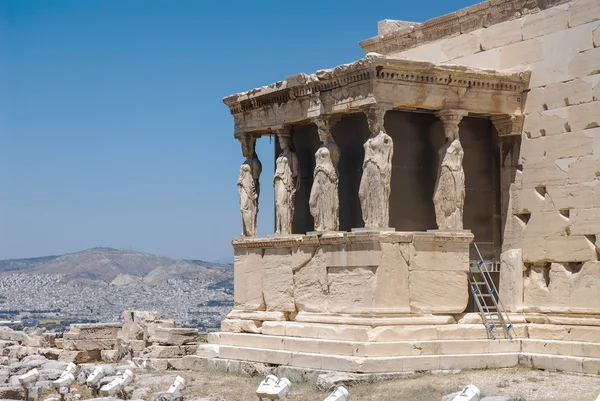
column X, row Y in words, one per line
column 449, row 193
column 286, row 182
column 324, row 200
column 375, row 184
column 249, row 191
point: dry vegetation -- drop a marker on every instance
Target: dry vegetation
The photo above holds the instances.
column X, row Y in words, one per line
column 529, row 384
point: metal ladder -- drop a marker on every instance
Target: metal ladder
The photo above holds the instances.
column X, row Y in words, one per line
column 488, row 302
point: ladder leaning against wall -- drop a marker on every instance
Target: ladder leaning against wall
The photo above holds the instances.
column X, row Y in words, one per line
column 488, row 302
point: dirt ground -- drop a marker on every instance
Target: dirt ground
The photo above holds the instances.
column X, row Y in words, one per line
column 526, row 383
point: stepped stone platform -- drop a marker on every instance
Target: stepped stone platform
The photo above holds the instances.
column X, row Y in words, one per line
column 412, row 347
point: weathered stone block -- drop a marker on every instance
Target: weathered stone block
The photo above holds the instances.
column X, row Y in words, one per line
column 585, row 116
column 353, row 255
column 596, row 37
column 278, row 280
column 78, row 357
column 511, row 279
column 545, row 22
column 392, row 289
column 567, row 93
column 501, row 34
column 89, row 345
column 173, row 336
column 160, row 351
column 585, row 63
column 247, row 279
column 585, row 288
column 584, row 221
column 555, row 64
column 545, row 173
column 434, row 255
column 351, row 289
column 110, row 356
column 521, row 53
column 583, row 11
column 310, row 284
column 584, row 169
column 534, row 249
column 426, row 293
column 88, row 331
column 256, row 315
column 239, row 326
column 543, row 224
column 576, row 196
column 570, row 249
column 459, row 46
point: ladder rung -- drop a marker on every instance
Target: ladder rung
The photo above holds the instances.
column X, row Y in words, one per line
column 484, row 295
column 479, row 282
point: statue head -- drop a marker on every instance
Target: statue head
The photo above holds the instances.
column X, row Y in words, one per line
column 324, row 134
column 284, row 142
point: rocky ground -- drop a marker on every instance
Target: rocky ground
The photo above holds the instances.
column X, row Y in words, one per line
column 524, row 384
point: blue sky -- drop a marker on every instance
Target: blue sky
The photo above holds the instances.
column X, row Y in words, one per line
column 112, row 128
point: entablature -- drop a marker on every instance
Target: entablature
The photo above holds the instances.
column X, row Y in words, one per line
column 400, row 84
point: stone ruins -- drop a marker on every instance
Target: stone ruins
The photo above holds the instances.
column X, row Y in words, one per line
column 481, row 127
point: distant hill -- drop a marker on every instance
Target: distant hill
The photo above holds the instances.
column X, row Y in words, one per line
column 118, row 267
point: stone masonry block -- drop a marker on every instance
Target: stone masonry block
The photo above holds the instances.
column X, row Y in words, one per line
column 351, row 289
column 584, row 221
column 596, row 37
column 426, row 293
column 577, row 196
column 543, row 224
column 392, row 278
column 521, row 53
column 545, row 173
column 584, row 289
column 511, row 279
column 570, row 144
column 584, row 169
column 310, row 284
column 585, row 116
column 501, row 34
column 570, row 249
column 248, row 280
column 278, row 280
column 585, row 63
column 559, row 49
column 462, row 45
column 567, row 93
column 545, row 22
column 583, row 11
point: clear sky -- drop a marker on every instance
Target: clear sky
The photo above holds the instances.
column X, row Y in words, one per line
column 112, row 126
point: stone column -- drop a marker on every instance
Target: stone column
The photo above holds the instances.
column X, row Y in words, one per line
column 375, row 184
column 324, row 200
column 286, row 182
column 249, row 186
column 449, row 193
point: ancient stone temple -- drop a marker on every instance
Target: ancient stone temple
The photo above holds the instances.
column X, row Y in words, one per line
column 478, row 127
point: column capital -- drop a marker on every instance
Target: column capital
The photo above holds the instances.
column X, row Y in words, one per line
column 451, row 118
column 375, row 113
column 326, row 121
column 282, row 130
column 508, row 124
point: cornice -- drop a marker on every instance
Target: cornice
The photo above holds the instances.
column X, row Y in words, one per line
column 380, row 69
column 481, row 15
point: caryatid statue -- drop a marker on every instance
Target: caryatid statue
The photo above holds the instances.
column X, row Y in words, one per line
column 286, row 182
column 324, row 201
column 375, row 184
column 449, row 193
column 249, row 186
